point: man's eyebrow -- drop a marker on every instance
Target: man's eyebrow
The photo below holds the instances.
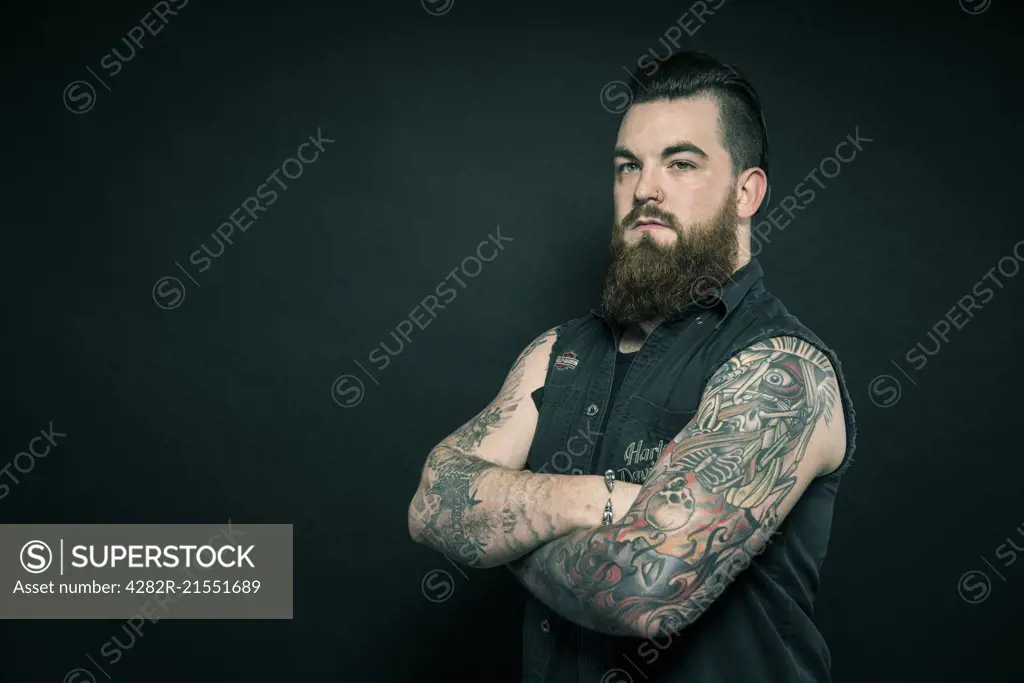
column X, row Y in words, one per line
column 677, row 148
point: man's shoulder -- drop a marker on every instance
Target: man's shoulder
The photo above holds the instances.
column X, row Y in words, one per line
column 763, row 304
column 590, row 318
column 765, row 317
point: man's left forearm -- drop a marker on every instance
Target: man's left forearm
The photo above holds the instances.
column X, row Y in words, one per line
column 575, row 575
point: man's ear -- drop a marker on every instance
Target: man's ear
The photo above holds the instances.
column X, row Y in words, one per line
column 751, row 191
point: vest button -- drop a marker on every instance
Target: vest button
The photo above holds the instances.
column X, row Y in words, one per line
column 577, row 470
column 545, row 626
column 700, row 320
column 592, row 409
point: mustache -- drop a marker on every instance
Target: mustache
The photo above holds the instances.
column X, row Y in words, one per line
column 647, row 211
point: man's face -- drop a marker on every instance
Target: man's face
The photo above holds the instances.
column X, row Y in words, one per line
column 675, row 230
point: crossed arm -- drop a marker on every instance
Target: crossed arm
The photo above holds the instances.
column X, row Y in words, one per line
column 477, row 505
column 764, row 429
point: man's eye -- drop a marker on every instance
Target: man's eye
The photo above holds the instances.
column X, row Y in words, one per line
column 683, row 165
column 623, row 168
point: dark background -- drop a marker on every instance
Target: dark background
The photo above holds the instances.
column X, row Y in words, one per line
column 445, row 127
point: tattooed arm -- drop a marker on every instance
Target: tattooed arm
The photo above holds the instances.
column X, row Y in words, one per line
column 475, row 505
column 766, row 426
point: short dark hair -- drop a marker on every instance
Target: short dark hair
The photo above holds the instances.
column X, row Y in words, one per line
column 691, row 74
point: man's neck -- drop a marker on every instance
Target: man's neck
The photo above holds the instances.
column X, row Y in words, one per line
column 648, row 326
column 634, row 336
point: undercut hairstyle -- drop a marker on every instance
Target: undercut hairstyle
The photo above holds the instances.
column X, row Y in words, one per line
column 686, row 75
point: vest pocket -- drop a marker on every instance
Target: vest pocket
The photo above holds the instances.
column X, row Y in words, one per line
column 660, row 422
column 646, row 432
column 556, row 407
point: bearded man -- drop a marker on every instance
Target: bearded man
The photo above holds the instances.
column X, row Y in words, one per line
column 660, row 473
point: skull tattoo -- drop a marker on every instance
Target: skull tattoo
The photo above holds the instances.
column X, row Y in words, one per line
column 670, row 508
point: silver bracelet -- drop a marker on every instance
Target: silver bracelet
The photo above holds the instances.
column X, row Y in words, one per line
column 609, row 481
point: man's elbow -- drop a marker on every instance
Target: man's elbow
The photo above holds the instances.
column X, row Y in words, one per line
column 632, row 627
column 659, row 619
column 414, row 528
column 466, row 555
column 627, row 623
column 628, row 630
column 417, row 512
column 622, row 627
column 667, row 621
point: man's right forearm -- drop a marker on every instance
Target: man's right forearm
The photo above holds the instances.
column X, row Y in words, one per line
column 484, row 515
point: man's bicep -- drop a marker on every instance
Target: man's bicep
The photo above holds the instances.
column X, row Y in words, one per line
column 770, row 422
column 502, row 432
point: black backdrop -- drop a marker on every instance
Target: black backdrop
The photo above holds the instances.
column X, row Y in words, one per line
column 448, row 121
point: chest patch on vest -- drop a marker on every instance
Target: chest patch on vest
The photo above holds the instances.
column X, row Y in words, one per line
column 567, row 361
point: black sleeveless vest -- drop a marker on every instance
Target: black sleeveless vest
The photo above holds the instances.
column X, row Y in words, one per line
column 760, row 629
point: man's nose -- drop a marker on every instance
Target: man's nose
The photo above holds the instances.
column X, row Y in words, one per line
column 648, row 189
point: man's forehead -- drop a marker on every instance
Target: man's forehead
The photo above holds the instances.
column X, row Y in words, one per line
column 650, row 127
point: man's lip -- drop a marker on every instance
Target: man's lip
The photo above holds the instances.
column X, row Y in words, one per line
column 648, row 224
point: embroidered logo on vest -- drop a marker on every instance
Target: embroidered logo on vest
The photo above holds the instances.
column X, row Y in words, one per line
column 635, row 456
column 567, row 361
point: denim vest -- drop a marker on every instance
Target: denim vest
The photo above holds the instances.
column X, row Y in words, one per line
column 760, row 629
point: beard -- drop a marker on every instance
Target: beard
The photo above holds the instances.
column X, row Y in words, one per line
column 647, row 280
